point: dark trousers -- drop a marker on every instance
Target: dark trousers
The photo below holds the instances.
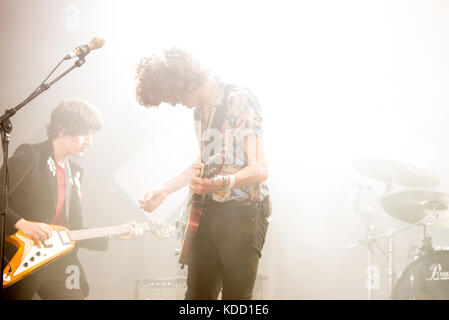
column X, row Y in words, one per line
column 226, row 251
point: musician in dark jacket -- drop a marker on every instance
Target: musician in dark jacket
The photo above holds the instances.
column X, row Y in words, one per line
column 45, row 188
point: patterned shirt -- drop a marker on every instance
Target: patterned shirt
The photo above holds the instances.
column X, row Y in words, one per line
column 243, row 119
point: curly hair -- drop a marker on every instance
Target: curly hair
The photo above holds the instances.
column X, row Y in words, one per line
column 167, row 76
column 73, row 117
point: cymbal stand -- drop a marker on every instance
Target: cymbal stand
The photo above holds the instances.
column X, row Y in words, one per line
column 425, row 249
column 371, row 276
column 427, row 246
column 390, row 234
column 368, row 242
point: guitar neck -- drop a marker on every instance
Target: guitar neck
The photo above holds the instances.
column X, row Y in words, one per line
column 86, row 234
column 198, row 198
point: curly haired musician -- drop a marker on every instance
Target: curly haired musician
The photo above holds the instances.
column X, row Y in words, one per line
column 227, row 247
column 45, row 189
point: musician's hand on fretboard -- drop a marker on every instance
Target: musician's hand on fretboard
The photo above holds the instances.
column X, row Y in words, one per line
column 134, row 231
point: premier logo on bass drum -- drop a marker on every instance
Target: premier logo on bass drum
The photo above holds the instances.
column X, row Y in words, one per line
column 437, row 274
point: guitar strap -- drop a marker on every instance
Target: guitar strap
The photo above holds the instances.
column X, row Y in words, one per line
column 217, row 117
column 220, row 112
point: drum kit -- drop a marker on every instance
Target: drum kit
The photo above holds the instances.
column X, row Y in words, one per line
column 427, row 276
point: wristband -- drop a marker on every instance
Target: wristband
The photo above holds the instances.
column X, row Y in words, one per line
column 223, row 182
column 231, row 181
column 217, row 178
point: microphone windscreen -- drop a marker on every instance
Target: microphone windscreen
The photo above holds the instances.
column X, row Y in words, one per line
column 96, row 43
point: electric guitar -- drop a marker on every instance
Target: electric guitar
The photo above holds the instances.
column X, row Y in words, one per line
column 29, row 257
column 189, row 220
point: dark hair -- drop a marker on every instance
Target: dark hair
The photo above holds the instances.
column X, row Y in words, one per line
column 73, row 117
column 167, row 76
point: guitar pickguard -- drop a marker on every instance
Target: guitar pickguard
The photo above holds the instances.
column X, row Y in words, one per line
column 30, row 257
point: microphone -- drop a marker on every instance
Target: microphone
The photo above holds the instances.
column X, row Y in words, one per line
column 83, row 50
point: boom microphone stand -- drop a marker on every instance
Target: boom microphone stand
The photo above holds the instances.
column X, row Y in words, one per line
column 5, row 130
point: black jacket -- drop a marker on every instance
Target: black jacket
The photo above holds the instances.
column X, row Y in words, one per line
column 33, row 197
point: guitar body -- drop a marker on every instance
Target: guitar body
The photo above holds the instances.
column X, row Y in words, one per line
column 192, row 212
column 29, row 257
column 195, row 211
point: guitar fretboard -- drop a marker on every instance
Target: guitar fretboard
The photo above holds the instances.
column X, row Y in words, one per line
column 85, row 234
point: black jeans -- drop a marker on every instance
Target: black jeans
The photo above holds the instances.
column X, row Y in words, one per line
column 226, row 250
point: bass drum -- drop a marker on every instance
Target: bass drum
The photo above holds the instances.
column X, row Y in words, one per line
column 426, row 278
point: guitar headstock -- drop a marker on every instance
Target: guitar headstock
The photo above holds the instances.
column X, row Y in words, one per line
column 160, row 229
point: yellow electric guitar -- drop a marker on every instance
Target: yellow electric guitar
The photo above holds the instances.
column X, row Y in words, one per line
column 29, row 257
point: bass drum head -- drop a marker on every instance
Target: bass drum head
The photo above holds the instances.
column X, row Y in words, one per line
column 426, row 278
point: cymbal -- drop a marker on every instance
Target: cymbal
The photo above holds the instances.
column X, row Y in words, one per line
column 414, row 205
column 388, row 171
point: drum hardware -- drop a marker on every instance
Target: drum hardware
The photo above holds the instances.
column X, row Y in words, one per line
column 426, row 278
column 391, row 271
column 390, row 235
column 425, row 206
column 414, row 205
column 412, row 287
column 369, row 242
column 415, row 208
column 426, row 247
column 408, row 206
column 429, row 206
column 414, row 252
